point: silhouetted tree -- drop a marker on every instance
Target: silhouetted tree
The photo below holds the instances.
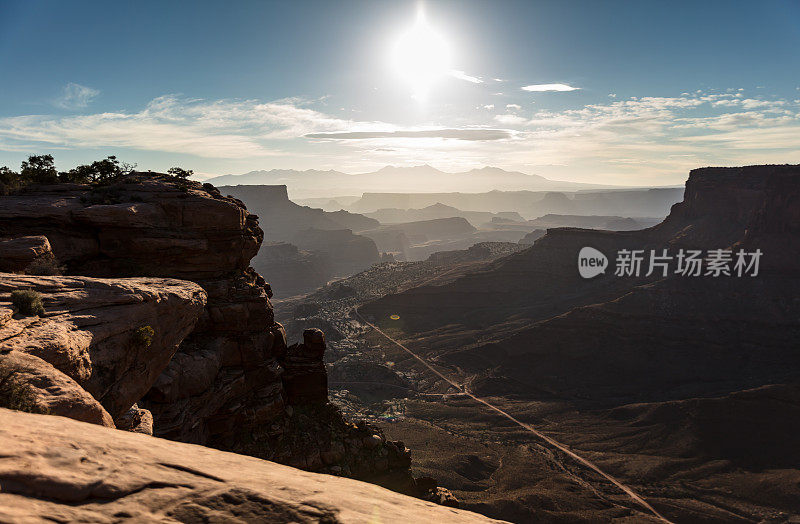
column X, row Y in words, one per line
column 97, row 172
column 9, row 180
column 38, row 170
column 179, row 172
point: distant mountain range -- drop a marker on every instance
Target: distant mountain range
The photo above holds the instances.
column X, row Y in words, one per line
column 417, row 179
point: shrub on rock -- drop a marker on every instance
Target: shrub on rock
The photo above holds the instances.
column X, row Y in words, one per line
column 17, row 396
column 143, row 336
column 28, row 302
column 46, row 265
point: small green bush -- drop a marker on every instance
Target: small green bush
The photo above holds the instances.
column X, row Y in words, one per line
column 143, row 336
column 28, row 302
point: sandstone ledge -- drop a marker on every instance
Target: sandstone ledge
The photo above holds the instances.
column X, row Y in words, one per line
column 88, row 334
column 57, row 469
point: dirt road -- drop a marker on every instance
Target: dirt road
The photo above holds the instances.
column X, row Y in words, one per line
column 561, row 447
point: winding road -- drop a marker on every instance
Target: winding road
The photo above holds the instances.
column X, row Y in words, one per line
column 561, row 447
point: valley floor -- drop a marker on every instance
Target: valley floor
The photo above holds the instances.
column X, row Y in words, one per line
column 688, row 459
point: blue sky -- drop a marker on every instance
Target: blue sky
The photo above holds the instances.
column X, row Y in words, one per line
column 655, row 88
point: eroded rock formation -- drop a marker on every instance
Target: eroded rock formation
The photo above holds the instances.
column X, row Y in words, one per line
column 304, row 378
column 98, row 342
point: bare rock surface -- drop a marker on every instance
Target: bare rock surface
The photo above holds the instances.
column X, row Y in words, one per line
column 95, row 331
column 137, row 420
column 61, row 470
column 50, row 390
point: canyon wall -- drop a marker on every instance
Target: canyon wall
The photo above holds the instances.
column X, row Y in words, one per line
column 333, row 249
column 530, row 323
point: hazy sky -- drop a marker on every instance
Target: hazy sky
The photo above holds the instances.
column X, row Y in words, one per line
column 617, row 92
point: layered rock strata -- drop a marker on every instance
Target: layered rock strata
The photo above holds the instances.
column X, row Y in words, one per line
column 17, row 254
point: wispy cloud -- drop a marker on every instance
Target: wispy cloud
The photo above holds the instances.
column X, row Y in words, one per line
column 461, row 75
column 215, row 129
column 513, row 106
column 76, row 96
column 549, row 87
column 650, row 138
column 220, row 128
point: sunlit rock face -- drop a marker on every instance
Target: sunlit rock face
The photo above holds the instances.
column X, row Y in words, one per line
column 55, row 469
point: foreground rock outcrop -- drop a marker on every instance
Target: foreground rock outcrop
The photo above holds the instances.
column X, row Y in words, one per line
column 98, row 342
column 224, row 378
column 28, row 383
column 54, row 469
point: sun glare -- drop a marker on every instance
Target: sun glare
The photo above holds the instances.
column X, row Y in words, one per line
column 421, row 56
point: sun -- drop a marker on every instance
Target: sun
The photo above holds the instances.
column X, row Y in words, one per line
column 421, row 56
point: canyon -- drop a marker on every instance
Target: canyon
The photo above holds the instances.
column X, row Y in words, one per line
column 682, row 386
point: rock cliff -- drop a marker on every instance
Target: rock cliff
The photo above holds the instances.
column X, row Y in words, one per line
column 234, row 383
column 346, row 252
column 292, row 270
